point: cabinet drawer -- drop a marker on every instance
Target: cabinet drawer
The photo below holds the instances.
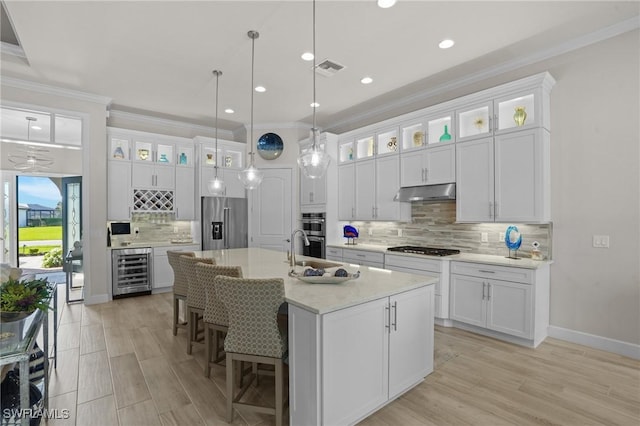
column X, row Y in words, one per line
column 363, row 256
column 422, row 264
column 335, row 253
column 504, row 273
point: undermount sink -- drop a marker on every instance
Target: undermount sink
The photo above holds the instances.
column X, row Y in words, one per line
column 317, row 264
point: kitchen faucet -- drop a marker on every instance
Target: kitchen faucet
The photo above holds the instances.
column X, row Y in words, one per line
column 292, row 258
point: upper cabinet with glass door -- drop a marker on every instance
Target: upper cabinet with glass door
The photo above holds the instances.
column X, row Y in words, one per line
column 387, row 141
column 345, row 151
column 515, row 111
column 229, row 155
column 184, row 154
column 364, row 147
column 475, row 121
column 149, row 151
column 119, row 148
column 433, row 130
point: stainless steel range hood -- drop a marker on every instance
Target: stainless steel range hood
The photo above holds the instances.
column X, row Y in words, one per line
column 427, row 193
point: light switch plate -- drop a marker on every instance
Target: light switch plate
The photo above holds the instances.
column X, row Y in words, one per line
column 399, row 232
column 370, row 232
column 501, row 238
column 484, row 237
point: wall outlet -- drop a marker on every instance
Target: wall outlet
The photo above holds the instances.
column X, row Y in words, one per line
column 501, row 237
column 399, row 232
column 601, row 241
column 484, row 237
column 175, row 229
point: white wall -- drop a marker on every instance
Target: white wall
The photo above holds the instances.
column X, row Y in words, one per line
column 596, row 190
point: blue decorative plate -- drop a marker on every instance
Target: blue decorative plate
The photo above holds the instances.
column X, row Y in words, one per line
column 270, row 146
column 512, row 238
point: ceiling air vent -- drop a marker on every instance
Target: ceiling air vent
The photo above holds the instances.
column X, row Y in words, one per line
column 328, row 68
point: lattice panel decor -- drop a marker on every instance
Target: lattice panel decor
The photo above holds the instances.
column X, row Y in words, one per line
column 152, row 200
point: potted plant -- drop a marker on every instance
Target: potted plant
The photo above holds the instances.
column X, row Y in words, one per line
column 20, row 298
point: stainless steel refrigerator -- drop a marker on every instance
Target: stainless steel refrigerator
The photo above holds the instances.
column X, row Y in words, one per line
column 225, row 223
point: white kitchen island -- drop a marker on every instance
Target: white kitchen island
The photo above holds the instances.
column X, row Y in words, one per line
column 353, row 347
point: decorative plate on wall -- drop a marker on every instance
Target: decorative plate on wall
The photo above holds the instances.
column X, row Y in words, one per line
column 270, row 146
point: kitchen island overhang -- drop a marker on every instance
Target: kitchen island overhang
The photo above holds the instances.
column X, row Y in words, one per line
column 353, row 347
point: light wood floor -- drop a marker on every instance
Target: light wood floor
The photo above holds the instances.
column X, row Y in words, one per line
column 119, row 364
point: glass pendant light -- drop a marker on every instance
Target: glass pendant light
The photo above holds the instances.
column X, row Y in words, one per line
column 216, row 185
column 251, row 177
column 314, row 162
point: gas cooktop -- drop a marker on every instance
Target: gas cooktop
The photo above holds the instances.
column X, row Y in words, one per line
column 427, row 251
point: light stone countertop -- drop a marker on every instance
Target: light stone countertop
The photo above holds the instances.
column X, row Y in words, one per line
column 116, row 245
column 488, row 259
column 373, row 283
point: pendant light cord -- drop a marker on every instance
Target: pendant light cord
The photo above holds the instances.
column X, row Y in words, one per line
column 218, row 74
column 314, row 130
column 253, row 35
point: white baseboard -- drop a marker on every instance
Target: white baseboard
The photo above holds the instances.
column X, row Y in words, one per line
column 597, row 342
column 99, row 298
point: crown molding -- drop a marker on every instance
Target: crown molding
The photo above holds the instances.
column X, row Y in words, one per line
column 270, row 126
column 57, row 91
column 602, row 34
column 12, row 49
column 146, row 119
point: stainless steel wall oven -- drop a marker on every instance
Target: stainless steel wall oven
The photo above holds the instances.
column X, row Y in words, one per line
column 131, row 271
column 314, row 225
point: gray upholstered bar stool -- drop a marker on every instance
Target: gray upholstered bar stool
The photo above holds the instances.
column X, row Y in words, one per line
column 253, row 335
column 180, row 286
column 196, row 298
column 215, row 317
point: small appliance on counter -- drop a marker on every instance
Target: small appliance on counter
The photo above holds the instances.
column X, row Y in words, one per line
column 350, row 233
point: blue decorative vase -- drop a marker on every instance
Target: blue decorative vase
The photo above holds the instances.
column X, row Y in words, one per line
column 513, row 240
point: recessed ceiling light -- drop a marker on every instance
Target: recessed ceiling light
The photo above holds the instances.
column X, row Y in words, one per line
column 366, row 80
column 260, row 89
column 446, row 43
column 314, row 105
column 36, row 127
column 307, row 56
column 229, row 111
column 386, row 3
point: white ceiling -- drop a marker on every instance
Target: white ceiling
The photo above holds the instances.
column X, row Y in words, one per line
column 156, row 57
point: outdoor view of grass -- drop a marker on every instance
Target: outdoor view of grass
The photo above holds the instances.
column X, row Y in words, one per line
column 38, row 233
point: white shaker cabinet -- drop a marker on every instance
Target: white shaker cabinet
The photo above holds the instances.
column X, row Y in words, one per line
column 185, row 194
column 428, row 166
column 377, row 182
column 504, row 179
column 392, row 352
column 162, row 272
column 430, row 267
column 508, row 300
column 119, row 194
column 153, row 176
column 363, row 257
column 346, row 192
column 365, row 178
